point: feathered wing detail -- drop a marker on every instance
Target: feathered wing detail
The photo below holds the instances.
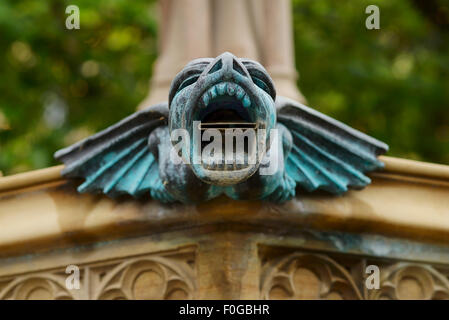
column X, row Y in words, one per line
column 117, row 160
column 326, row 154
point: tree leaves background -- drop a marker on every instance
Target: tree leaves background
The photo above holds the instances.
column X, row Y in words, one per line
column 58, row 86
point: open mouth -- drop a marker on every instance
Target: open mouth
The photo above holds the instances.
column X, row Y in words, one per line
column 226, row 107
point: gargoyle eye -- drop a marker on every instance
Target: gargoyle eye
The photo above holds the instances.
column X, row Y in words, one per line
column 216, row 67
column 261, row 84
column 187, row 82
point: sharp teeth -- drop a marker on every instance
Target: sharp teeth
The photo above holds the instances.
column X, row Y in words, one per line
column 246, row 101
column 240, row 93
column 226, row 88
column 213, row 92
column 206, row 99
column 221, row 88
column 231, row 89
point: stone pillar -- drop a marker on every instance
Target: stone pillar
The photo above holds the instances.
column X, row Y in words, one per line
column 184, row 34
column 234, row 30
column 259, row 30
column 278, row 49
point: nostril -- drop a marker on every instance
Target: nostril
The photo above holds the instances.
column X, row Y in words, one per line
column 236, row 66
column 217, row 66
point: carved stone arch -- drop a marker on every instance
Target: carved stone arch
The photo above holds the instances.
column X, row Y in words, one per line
column 411, row 281
column 147, row 278
column 37, row 286
column 307, row 276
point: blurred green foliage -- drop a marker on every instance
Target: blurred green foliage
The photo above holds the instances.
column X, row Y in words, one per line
column 391, row 83
column 58, row 86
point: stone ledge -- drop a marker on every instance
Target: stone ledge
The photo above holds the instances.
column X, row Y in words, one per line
column 40, row 210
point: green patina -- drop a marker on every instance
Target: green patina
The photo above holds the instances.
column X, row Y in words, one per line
column 313, row 151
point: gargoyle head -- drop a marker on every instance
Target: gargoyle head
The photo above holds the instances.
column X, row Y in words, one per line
column 307, row 148
column 223, row 93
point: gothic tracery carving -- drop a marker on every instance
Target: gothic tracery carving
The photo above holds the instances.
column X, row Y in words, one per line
column 143, row 277
column 308, row 276
column 411, row 281
column 302, row 275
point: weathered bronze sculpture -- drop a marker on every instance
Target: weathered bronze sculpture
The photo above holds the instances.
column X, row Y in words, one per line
column 310, row 150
